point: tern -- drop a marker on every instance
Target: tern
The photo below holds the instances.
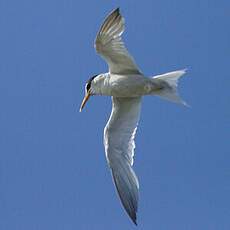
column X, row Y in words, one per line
column 126, row 84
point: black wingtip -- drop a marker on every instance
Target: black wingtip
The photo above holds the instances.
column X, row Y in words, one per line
column 117, row 10
column 134, row 218
column 135, row 222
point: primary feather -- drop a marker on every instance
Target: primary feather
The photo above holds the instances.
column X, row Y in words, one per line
column 110, row 46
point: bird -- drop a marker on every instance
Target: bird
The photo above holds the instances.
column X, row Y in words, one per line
column 126, row 85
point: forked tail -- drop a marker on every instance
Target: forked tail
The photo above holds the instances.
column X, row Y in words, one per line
column 168, row 86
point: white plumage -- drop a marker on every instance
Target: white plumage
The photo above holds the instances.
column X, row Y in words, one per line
column 126, row 84
column 110, row 46
column 119, row 144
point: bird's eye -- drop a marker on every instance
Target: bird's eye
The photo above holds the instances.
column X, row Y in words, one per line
column 88, row 84
column 87, row 87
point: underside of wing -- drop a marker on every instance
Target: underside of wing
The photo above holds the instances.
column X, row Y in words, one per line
column 119, row 144
column 110, row 46
column 127, row 187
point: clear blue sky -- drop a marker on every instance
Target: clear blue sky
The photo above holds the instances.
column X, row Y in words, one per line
column 53, row 173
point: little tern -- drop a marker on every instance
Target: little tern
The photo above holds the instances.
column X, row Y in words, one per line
column 126, row 84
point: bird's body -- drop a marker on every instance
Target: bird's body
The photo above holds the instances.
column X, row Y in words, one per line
column 123, row 85
column 130, row 85
column 126, row 84
column 136, row 85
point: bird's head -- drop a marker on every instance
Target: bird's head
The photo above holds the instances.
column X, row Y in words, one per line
column 89, row 90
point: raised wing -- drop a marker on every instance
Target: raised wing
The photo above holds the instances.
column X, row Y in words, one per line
column 110, row 46
column 119, row 144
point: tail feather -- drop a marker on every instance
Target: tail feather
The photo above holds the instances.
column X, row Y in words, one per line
column 168, row 83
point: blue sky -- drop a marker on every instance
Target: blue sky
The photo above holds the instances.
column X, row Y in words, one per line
column 53, row 173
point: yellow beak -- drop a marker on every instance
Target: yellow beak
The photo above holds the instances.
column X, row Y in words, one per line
column 85, row 99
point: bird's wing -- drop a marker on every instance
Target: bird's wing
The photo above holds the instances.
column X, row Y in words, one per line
column 110, row 46
column 119, row 144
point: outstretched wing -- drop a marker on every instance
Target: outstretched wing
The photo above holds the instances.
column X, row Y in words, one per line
column 119, row 144
column 110, row 46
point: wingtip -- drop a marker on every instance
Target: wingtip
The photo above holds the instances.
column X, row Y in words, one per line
column 133, row 218
column 134, row 221
column 117, row 11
